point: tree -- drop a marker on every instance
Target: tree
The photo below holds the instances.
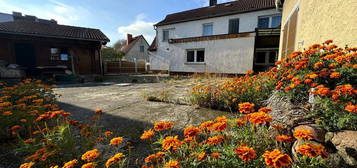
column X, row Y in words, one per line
column 110, row 54
column 118, row 45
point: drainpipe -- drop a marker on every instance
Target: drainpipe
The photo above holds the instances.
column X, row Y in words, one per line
column 100, row 59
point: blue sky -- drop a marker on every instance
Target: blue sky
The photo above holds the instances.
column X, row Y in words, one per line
column 114, row 17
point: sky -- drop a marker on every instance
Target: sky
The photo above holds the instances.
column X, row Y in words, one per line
column 115, row 18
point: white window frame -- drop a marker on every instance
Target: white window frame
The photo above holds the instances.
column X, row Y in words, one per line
column 203, row 28
column 270, row 19
column 163, row 34
column 195, row 56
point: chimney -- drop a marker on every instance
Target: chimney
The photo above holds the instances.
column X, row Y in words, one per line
column 129, row 39
column 212, row 2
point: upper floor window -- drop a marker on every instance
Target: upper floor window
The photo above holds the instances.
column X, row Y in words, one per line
column 165, row 35
column 142, row 48
column 207, row 29
column 233, row 26
column 269, row 21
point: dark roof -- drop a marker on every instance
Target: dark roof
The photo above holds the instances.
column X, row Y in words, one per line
column 153, row 46
column 128, row 47
column 32, row 28
column 229, row 8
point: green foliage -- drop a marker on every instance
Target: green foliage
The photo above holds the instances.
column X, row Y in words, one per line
column 110, row 54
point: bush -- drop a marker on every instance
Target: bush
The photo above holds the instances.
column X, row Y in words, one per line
column 329, row 73
column 227, row 95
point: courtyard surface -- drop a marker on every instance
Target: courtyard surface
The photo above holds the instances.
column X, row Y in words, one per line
column 127, row 112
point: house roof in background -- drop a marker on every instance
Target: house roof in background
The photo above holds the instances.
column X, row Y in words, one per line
column 128, row 47
column 153, row 46
column 229, row 8
column 32, row 28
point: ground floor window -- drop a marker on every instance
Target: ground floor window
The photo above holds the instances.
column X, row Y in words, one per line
column 59, row 54
column 195, row 56
column 265, row 59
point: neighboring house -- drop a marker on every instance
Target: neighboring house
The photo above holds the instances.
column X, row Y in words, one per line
column 43, row 45
column 307, row 22
column 231, row 38
column 136, row 49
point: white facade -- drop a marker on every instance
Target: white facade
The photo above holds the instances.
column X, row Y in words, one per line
column 6, row 17
column 139, row 52
column 234, row 55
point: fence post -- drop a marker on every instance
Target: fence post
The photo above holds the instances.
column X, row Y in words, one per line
column 136, row 66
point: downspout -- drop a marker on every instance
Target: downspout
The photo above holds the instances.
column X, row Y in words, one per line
column 100, row 59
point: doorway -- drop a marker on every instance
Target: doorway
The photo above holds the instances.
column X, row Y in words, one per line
column 26, row 56
column 265, row 59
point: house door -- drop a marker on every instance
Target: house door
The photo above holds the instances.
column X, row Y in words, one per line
column 25, row 56
column 85, row 61
column 265, row 59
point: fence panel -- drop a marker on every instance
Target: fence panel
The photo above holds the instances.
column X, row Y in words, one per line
column 124, row 67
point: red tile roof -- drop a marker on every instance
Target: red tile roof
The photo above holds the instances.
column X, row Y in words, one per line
column 128, row 47
column 23, row 27
column 229, row 8
column 153, row 46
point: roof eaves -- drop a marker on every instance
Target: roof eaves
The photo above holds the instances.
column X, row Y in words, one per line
column 162, row 23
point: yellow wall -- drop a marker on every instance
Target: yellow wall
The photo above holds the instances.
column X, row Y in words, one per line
column 320, row 20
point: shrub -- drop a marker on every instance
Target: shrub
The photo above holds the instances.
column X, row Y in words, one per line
column 227, row 95
column 329, row 73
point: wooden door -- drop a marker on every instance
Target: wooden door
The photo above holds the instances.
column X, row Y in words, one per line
column 84, row 57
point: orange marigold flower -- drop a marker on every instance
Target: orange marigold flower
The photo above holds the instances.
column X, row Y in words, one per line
column 23, row 120
column 201, row 156
column 27, row 165
column 245, row 153
column 216, row 155
column 240, row 122
column 172, row 164
column 276, row 159
column 171, row 142
column 259, row 118
column 163, row 125
column 98, row 111
column 351, row 108
column 147, row 135
column 283, row 138
column 89, row 165
column 335, row 75
column 108, row 133
column 322, row 91
column 215, row 140
column 265, row 110
column 219, row 126
column 70, row 164
column 28, row 141
column 191, row 131
column 246, row 107
column 7, row 113
column 221, row 119
column 303, row 134
column 91, row 155
column 319, row 65
column 328, row 42
column 116, row 158
column 206, row 125
column 14, row 129
column 116, row 141
column 312, row 150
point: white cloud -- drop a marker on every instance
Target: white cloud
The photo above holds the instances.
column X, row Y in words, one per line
column 63, row 13
column 138, row 27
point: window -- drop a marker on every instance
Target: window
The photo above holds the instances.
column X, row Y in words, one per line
column 207, row 29
column 165, row 35
column 59, row 54
column 191, row 56
column 265, row 59
column 142, row 48
column 269, row 21
column 233, row 26
column 196, row 56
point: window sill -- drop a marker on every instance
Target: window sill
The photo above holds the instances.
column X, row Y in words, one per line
column 195, row 63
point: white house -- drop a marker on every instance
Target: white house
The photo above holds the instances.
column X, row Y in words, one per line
column 220, row 38
column 136, row 49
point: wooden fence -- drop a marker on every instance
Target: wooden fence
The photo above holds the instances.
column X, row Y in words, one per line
column 124, row 67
